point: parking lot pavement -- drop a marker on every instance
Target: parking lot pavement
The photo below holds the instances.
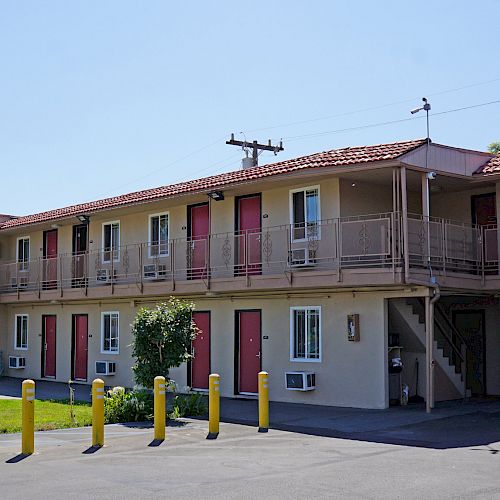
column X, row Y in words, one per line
column 241, row 463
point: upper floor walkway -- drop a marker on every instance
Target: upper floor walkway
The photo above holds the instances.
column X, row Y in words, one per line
column 367, row 250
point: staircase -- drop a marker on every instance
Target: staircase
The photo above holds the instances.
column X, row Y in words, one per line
column 449, row 350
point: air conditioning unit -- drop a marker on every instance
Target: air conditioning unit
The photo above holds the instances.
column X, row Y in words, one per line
column 302, row 257
column 300, row 381
column 16, row 362
column 105, row 367
column 19, row 282
column 104, row 275
column 153, row 271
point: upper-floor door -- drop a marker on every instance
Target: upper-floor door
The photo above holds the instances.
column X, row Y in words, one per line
column 80, row 247
column 248, row 235
column 50, row 259
column 197, row 244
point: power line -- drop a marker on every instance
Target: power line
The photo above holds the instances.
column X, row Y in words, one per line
column 380, row 124
column 373, row 108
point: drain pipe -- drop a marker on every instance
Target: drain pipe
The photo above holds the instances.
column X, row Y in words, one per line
column 429, row 338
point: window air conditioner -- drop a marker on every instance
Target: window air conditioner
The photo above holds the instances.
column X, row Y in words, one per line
column 300, row 381
column 105, row 367
column 153, row 271
column 21, row 282
column 104, row 275
column 302, row 257
column 16, row 362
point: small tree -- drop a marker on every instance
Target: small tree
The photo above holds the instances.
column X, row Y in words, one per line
column 494, row 148
column 162, row 339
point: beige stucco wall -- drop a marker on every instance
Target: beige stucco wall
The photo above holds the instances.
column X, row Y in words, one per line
column 134, row 221
column 367, row 198
column 456, row 205
column 350, row 373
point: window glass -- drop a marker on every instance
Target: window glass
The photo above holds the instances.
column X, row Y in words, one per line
column 305, row 333
column 21, row 331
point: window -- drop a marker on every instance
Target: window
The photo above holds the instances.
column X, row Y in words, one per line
column 23, row 253
column 305, row 334
column 305, row 213
column 111, row 241
column 158, row 235
column 110, row 334
column 21, row 334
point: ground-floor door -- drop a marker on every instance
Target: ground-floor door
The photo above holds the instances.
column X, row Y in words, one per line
column 200, row 364
column 49, row 346
column 247, row 351
column 471, row 325
column 79, row 347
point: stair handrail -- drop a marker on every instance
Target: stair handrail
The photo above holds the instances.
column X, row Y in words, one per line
column 445, row 334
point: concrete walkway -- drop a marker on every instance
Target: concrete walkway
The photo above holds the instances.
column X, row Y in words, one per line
column 11, row 388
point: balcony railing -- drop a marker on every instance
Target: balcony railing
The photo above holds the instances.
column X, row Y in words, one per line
column 371, row 241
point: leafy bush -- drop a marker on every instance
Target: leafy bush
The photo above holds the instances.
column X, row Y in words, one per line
column 162, row 339
column 123, row 406
column 189, row 405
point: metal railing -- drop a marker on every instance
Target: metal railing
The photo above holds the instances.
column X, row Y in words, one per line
column 368, row 241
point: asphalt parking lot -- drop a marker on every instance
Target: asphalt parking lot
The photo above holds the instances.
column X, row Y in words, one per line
column 241, row 463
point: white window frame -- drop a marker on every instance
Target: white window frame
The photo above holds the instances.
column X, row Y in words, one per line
column 151, row 244
column 25, row 263
column 16, row 347
column 103, row 242
column 304, row 190
column 103, row 315
column 292, row 334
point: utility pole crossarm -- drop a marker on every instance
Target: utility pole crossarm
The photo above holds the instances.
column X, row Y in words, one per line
column 255, row 147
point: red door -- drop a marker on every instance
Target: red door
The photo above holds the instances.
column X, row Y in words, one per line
column 80, row 343
column 199, row 229
column 49, row 346
column 248, row 325
column 200, row 364
column 50, row 259
column 248, row 236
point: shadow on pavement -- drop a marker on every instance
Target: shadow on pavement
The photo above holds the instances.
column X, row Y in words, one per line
column 91, row 450
column 17, row 458
column 451, row 425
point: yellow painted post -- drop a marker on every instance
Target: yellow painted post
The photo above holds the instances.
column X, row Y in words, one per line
column 263, row 402
column 28, row 436
column 159, row 404
column 97, row 412
column 213, row 405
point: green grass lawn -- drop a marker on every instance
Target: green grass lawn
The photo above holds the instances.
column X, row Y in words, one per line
column 48, row 415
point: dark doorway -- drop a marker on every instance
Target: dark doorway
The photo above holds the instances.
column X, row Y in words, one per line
column 80, row 246
column 471, row 326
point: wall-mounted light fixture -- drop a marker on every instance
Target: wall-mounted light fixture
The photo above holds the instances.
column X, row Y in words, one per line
column 84, row 219
column 216, row 195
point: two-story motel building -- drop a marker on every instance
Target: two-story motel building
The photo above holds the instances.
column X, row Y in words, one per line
column 333, row 263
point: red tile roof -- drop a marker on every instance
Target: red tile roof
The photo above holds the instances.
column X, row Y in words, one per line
column 492, row 167
column 335, row 157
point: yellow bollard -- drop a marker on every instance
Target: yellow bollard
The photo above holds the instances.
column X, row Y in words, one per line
column 213, row 405
column 263, row 402
column 28, row 437
column 159, row 404
column 97, row 413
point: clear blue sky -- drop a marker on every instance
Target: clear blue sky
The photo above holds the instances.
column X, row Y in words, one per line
column 101, row 98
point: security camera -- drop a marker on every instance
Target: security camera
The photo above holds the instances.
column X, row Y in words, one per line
column 431, row 175
column 416, row 110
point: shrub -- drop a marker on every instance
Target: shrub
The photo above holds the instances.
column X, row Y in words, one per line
column 123, row 406
column 162, row 339
column 189, row 405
